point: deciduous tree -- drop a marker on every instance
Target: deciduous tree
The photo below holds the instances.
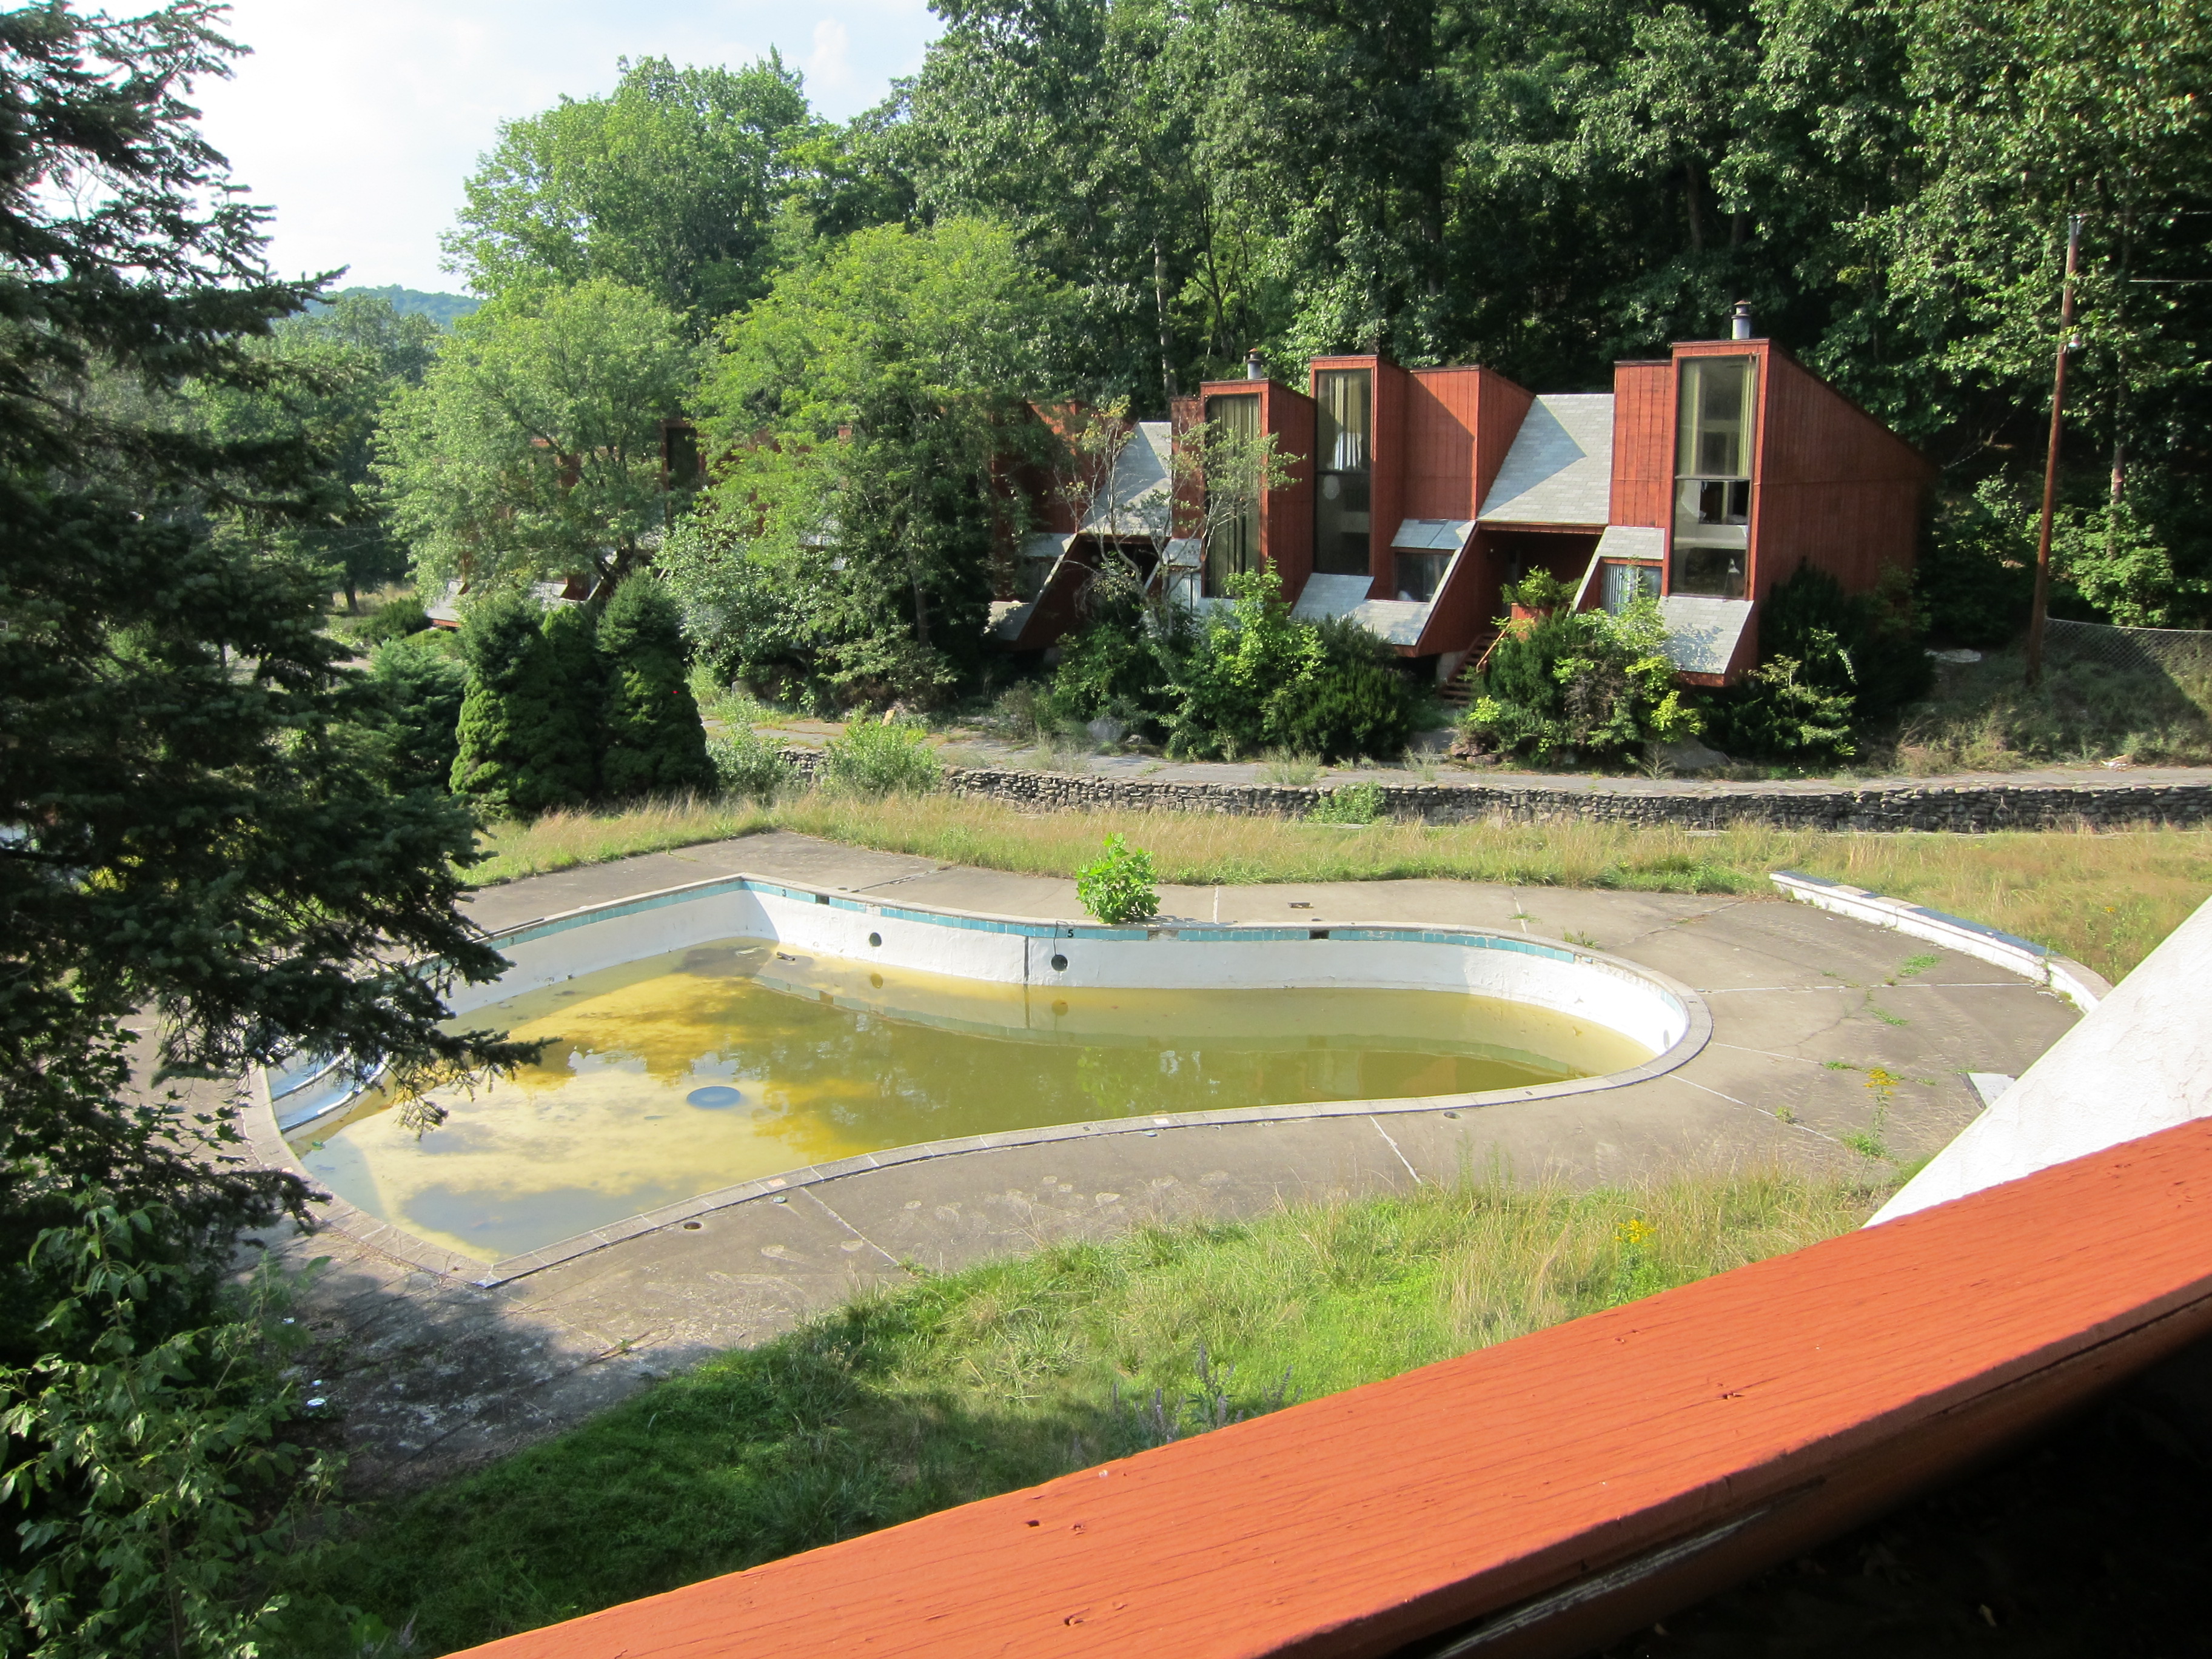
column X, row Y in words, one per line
column 532, row 449
column 669, row 185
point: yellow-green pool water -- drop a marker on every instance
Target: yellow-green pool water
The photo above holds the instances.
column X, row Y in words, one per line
column 678, row 1074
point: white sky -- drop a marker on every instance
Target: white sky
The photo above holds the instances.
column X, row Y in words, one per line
column 358, row 121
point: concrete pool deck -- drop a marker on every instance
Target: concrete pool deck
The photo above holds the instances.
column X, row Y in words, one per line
column 1825, row 1031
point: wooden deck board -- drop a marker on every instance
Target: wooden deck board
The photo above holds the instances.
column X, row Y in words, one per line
column 1355, row 1523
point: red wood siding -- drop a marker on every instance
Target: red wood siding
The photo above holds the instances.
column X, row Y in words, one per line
column 1442, row 409
column 1643, row 443
column 1835, row 487
column 1459, row 422
column 1467, row 602
column 1788, row 1398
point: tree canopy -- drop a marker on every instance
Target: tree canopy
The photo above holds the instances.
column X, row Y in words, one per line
column 533, row 447
column 671, row 184
column 862, row 411
column 1546, row 187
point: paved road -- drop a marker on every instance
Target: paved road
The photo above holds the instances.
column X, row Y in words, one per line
column 435, row 1372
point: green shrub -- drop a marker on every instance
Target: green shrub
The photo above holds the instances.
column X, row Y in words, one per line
column 1593, row 682
column 1026, row 712
column 1538, row 591
column 654, row 741
column 748, row 766
column 580, row 681
column 394, row 620
column 1865, row 648
column 1228, row 676
column 1120, row 664
column 880, row 757
column 1778, row 711
column 146, row 1486
column 1350, row 803
column 1356, row 702
column 1118, row 887
column 422, row 685
column 517, row 751
column 1249, row 677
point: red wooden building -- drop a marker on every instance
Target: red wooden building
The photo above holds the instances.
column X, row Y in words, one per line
column 1704, row 478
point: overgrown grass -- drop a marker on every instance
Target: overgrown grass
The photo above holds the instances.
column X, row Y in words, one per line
column 1009, row 1374
column 2104, row 897
column 1982, row 718
column 562, row 840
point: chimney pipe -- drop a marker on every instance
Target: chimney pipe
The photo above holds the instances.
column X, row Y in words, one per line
column 1740, row 321
column 1253, row 369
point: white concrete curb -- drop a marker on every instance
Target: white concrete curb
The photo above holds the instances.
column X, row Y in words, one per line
column 2068, row 978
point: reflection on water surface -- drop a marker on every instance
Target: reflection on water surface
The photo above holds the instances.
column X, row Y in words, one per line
column 681, row 1073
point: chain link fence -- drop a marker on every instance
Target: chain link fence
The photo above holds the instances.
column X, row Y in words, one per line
column 2177, row 652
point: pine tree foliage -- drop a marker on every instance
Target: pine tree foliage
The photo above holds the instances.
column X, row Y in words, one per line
column 578, row 733
column 521, row 753
column 655, row 742
column 196, row 836
column 190, row 823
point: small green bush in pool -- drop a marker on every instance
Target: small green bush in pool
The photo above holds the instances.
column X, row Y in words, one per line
column 1118, row 888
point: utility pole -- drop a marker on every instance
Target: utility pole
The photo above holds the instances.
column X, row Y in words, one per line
column 2036, row 613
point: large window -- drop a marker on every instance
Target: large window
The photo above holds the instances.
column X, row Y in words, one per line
column 1234, row 547
column 1341, row 468
column 1712, row 475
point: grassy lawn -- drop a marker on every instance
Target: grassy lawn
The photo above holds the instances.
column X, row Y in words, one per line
column 1006, row 1375
column 2104, row 898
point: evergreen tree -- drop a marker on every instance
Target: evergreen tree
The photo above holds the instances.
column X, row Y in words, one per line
column 193, row 837
column 517, row 757
column 578, row 733
column 655, row 744
column 423, row 684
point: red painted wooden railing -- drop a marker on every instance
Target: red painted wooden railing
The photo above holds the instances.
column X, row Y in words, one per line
column 1542, row 1496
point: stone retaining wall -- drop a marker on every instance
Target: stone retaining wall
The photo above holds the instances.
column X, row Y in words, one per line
column 1964, row 807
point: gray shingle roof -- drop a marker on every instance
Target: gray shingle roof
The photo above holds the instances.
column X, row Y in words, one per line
column 1701, row 633
column 1559, row 469
column 1324, row 598
column 1137, row 501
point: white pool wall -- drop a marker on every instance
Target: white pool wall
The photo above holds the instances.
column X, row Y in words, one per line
column 1576, row 984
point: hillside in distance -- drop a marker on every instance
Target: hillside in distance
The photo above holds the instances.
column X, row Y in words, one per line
column 440, row 308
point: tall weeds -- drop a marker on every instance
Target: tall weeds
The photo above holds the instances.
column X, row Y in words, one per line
column 2105, row 897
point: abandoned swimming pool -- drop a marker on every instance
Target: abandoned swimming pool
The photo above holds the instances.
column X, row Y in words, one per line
column 721, row 1034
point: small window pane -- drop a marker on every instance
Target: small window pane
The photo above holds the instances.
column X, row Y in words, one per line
column 1622, row 585
column 1419, row 573
column 1345, row 419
